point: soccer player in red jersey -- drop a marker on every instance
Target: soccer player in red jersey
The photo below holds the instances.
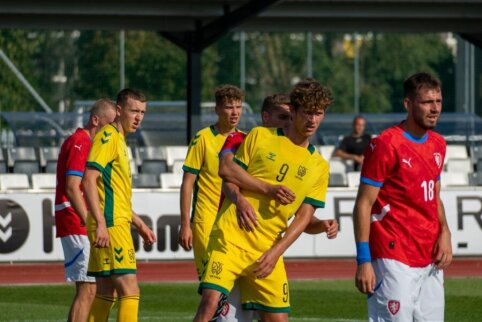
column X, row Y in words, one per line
column 402, row 238
column 71, row 210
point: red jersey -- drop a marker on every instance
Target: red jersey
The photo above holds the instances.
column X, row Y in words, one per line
column 71, row 162
column 232, row 143
column 404, row 218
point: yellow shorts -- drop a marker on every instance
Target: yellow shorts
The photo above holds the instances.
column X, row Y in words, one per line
column 118, row 258
column 200, row 241
column 232, row 263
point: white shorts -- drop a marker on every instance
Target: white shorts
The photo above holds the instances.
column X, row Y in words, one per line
column 76, row 253
column 233, row 310
column 404, row 293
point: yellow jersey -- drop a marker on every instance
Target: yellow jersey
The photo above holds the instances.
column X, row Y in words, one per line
column 269, row 155
column 109, row 155
column 202, row 160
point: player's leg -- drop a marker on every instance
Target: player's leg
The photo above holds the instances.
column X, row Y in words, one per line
column 76, row 250
column 273, row 317
column 395, row 290
column 124, row 276
column 84, row 296
column 431, row 301
column 232, row 310
column 208, row 306
column 103, row 301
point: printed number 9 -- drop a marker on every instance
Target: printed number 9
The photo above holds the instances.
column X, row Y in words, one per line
column 282, row 172
column 285, row 293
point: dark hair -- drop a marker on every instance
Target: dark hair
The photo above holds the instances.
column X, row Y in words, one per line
column 100, row 106
column 311, row 96
column 226, row 93
column 127, row 93
column 273, row 101
column 416, row 82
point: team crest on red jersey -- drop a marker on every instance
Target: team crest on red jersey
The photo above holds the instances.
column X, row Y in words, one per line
column 393, row 307
column 438, row 159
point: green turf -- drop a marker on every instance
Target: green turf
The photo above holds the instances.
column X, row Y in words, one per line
column 335, row 300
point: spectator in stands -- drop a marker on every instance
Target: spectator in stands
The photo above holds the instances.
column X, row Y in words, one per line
column 352, row 146
column 71, row 210
column 108, row 188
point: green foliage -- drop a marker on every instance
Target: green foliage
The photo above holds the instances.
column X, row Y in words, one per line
column 89, row 60
column 335, row 300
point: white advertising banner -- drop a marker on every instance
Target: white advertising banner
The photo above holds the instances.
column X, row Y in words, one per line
column 27, row 228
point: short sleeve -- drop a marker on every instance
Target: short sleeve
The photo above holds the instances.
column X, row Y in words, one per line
column 195, row 155
column 317, row 196
column 104, row 149
column 379, row 160
column 77, row 154
column 247, row 148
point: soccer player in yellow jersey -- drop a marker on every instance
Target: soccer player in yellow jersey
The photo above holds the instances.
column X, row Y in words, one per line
column 254, row 258
column 107, row 187
column 201, row 183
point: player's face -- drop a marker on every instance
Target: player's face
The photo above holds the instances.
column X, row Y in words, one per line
column 278, row 117
column 131, row 115
column 306, row 122
column 229, row 113
column 425, row 108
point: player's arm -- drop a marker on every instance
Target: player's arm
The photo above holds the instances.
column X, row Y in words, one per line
column 365, row 275
column 74, row 194
column 317, row 226
column 187, row 187
column 230, row 171
column 267, row 261
column 245, row 212
column 146, row 233
column 89, row 183
column 443, row 246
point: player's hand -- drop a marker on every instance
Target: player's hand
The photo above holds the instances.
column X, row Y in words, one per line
column 265, row 264
column 245, row 214
column 365, row 278
column 147, row 235
column 281, row 194
column 101, row 237
column 443, row 250
column 185, row 237
column 330, row 226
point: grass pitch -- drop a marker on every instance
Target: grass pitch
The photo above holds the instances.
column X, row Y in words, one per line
column 320, row 300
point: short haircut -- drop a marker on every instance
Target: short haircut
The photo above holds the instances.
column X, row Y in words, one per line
column 127, row 93
column 271, row 102
column 227, row 93
column 416, row 82
column 358, row 117
column 101, row 106
column 311, row 96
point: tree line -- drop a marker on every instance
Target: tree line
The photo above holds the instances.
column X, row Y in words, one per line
column 66, row 66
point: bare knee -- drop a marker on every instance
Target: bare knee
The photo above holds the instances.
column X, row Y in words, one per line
column 209, row 304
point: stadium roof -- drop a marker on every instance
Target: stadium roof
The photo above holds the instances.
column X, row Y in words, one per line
column 195, row 24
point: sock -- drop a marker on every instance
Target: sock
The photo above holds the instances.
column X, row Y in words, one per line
column 100, row 309
column 128, row 308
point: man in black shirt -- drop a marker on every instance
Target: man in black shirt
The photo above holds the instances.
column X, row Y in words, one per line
column 353, row 145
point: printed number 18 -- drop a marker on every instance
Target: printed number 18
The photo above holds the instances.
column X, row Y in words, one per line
column 428, row 189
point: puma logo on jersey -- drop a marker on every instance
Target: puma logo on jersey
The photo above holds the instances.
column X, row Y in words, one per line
column 78, row 146
column 372, row 146
column 407, row 162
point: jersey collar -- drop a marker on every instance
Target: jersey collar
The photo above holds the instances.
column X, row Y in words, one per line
column 310, row 147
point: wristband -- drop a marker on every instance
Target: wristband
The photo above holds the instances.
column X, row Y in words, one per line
column 363, row 253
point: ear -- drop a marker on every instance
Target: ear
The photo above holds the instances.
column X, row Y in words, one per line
column 407, row 103
column 118, row 110
column 95, row 120
column 264, row 116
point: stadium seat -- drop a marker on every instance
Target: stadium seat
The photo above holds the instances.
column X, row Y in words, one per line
column 48, row 158
column 456, row 151
column 170, row 180
column 23, row 160
column 337, row 180
column 454, row 179
column 3, row 162
column 9, row 181
column 459, row 165
column 337, row 165
column 353, row 178
column 475, row 178
column 326, row 151
column 132, row 160
column 175, row 152
column 145, row 181
column 152, row 159
column 44, row 181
